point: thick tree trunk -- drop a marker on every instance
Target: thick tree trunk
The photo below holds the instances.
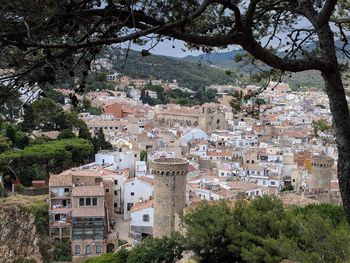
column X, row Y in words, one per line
column 341, row 124
column 340, row 111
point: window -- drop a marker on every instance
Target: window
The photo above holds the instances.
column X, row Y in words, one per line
column 273, row 183
column 129, row 205
column 115, row 182
column 66, row 190
column 98, row 249
column 77, row 250
column 247, row 161
column 94, row 201
column 132, row 193
column 222, row 174
column 293, row 180
column 88, row 201
column 115, row 192
column 145, row 218
column 87, row 249
column 81, row 201
column 252, row 161
column 107, row 190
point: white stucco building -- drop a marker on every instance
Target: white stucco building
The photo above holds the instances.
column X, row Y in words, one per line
column 135, row 190
column 141, row 220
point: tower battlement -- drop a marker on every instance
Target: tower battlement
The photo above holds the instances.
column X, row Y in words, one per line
column 322, row 161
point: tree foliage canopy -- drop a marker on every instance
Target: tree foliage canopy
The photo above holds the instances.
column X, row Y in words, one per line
column 53, row 156
column 255, row 231
column 41, row 40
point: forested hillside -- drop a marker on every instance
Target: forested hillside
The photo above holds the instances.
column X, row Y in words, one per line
column 194, row 72
column 188, row 74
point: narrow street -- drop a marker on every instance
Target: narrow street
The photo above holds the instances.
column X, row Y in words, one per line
column 122, row 227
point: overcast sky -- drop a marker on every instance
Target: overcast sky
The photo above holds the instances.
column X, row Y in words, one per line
column 166, row 48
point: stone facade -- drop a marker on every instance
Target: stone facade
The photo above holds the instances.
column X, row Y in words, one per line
column 109, row 197
column 81, row 210
column 105, row 247
column 321, row 172
column 169, row 193
column 208, row 118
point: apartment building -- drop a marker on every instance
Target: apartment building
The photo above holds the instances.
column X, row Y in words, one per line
column 81, row 211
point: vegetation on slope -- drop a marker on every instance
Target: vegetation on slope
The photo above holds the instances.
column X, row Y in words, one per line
column 26, row 157
column 258, row 231
column 37, row 207
column 189, row 75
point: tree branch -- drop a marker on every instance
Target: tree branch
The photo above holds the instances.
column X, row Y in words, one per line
column 285, row 64
column 326, row 12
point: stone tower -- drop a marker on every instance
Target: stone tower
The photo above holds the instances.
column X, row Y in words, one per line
column 321, row 172
column 169, row 193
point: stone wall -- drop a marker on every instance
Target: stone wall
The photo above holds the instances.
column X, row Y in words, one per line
column 34, row 191
column 109, row 197
column 85, row 180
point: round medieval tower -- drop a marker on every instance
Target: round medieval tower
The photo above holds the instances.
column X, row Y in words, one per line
column 321, row 172
column 169, row 193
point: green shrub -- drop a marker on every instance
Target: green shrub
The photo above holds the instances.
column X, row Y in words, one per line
column 62, row 251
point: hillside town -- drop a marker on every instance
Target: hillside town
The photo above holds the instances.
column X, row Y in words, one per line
column 211, row 131
column 165, row 159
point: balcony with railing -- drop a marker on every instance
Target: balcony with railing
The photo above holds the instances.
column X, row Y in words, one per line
column 60, row 223
column 60, row 218
column 60, row 205
column 65, row 195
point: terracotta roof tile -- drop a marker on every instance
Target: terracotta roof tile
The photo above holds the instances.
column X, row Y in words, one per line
column 142, row 205
column 61, row 179
column 293, row 199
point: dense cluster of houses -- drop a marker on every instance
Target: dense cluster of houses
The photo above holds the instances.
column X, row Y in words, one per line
column 229, row 158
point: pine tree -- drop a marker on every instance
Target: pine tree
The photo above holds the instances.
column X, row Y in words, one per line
column 143, row 96
column 148, row 99
column 28, row 118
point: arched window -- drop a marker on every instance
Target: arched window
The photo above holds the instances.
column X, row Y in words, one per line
column 87, row 249
column 145, row 218
column 98, row 249
column 77, row 250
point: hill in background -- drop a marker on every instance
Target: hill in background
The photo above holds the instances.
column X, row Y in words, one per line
column 226, row 60
column 188, row 74
column 196, row 72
